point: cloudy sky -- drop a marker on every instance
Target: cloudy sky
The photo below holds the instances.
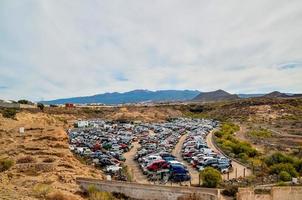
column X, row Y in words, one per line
column 62, row 48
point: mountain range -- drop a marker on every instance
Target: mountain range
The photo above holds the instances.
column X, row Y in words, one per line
column 137, row 96
column 134, row 96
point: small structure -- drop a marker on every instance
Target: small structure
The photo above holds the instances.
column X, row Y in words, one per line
column 69, row 105
column 81, row 124
column 21, row 130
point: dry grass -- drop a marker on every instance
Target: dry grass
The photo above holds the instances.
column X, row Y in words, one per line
column 26, row 159
column 59, row 196
column 40, row 190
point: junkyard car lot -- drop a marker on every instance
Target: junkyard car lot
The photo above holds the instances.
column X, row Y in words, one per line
column 103, row 143
column 196, row 152
column 155, row 158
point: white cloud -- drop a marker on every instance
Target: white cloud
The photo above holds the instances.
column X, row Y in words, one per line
column 51, row 49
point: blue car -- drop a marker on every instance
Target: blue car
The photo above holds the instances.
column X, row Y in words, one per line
column 178, row 169
column 180, row 177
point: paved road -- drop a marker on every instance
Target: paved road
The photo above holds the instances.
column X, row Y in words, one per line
column 236, row 166
column 177, row 153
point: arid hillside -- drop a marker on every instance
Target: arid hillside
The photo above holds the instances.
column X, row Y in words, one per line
column 41, row 157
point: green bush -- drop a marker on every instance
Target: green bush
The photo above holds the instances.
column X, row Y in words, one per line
column 285, row 176
column 277, row 158
column 218, row 134
column 24, row 101
column 6, row 164
column 287, row 167
column 298, row 165
column 281, row 183
column 9, row 113
column 210, row 177
column 233, row 146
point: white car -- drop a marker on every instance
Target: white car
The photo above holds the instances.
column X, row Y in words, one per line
column 113, row 168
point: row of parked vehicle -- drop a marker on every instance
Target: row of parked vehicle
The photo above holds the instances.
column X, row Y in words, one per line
column 196, row 152
column 155, row 157
column 102, row 142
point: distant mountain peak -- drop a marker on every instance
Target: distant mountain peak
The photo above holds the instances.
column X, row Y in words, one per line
column 218, row 95
column 275, row 94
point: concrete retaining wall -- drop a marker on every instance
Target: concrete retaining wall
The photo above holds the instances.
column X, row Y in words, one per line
column 149, row 192
column 276, row 193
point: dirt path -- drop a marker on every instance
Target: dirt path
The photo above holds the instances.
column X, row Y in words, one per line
column 134, row 168
column 177, row 153
column 238, row 169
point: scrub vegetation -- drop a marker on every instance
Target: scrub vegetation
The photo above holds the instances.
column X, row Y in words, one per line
column 233, row 147
column 6, row 164
column 210, row 177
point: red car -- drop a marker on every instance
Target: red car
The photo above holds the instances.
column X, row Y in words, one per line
column 157, row 165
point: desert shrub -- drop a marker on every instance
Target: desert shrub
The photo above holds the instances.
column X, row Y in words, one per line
column 58, row 196
column 101, row 196
column 277, row 158
column 232, row 146
column 6, row 164
column 287, row 167
column 243, row 156
column 40, row 106
column 95, row 194
column 24, row 101
column 126, row 171
column 218, row 134
column 281, row 183
column 261, row 133
column 230, row 190
column 40, row 190
column 26, row 159
column 210, row 177
column 9, row 113
column 298, row 165
column 48, row 160
column 285, row 176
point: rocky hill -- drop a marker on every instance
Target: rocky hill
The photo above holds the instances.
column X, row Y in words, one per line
column 218, row 95
column 276, row 94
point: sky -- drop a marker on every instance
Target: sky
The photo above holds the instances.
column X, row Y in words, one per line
column 64, row 48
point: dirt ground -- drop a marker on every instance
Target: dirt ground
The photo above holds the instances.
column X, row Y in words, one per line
column 133, row 166
column 46, row 142
column 177, row 153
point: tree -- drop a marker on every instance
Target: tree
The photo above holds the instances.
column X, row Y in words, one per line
column 24, row 101
column 285, row 176
column 41, row 106
column 210, row 177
